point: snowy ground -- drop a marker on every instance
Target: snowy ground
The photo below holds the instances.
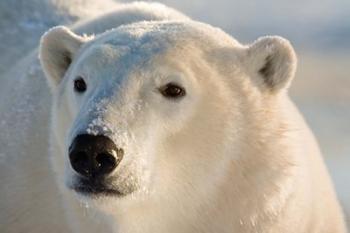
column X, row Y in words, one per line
column 320, row 32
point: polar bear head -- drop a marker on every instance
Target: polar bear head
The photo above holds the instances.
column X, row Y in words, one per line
column 157, row 108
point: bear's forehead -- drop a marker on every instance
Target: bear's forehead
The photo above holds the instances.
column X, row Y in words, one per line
column 162, row 36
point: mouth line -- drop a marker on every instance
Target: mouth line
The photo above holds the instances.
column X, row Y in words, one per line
column 90, row 187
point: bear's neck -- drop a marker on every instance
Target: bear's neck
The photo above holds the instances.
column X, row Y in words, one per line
column 43, row 14
column 80, row 8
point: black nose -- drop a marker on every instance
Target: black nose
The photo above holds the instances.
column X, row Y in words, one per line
column 92, row 156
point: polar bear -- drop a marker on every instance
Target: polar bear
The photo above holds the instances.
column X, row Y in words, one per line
column 170, row 125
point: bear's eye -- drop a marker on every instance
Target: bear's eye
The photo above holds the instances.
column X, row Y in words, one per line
column 79, row 85
column 172, row 90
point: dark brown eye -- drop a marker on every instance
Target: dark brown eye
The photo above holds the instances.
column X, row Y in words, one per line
column 79, row 85
column 172, row 90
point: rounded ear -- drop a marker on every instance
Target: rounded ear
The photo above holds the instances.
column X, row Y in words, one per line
column 271, row 62
column 56, row 52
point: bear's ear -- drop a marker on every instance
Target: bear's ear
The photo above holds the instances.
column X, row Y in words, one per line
column 271, row 62
column 57, row 49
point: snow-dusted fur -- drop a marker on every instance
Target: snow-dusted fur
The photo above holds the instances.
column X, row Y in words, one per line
column 232, row 155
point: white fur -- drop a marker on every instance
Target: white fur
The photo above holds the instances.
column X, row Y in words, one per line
column 234, row 155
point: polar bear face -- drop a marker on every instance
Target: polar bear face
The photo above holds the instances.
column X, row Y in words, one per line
column 155, row 108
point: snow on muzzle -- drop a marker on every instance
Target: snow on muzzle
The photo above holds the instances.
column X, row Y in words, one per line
column 97, row 141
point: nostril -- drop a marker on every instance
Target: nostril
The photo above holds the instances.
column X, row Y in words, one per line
column 80, row 162
column 106, row 162
column 81, row 158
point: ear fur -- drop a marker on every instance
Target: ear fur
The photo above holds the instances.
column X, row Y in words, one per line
column 271, row 62
column 56, row 52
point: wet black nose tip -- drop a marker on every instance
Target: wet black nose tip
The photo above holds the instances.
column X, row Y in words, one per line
column 92, row 156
